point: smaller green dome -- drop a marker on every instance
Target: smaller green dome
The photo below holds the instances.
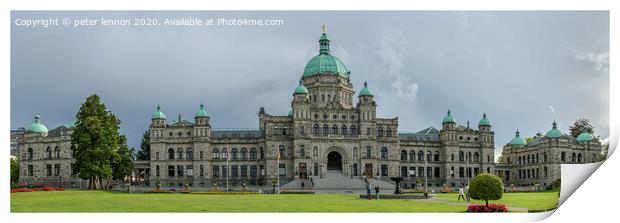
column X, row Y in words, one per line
column 554, row 132
column 448, row 119
column 202, row 112
column 290, row 113
column 37, row 126
column 301, row 89
column 366, row 91
column 484, row 121
column 72, row 123
column 584, row 137
column 517, row 140
column 158, row 114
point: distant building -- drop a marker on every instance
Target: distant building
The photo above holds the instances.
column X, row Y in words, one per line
column 15, row 135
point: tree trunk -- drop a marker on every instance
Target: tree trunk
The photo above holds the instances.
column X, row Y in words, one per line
column 107, row 184
column 101, row 183
column 487, row 202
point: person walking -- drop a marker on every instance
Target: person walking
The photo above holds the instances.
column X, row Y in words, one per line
column 377, row 191
column 303, row 184
column 467, row 192
column 368, row 186
column 461, row 193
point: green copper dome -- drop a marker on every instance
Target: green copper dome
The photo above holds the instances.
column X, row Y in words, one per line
column 37, row 126
column 325, row 63
column 301, row 89
column 448, row 119
column 484, row 121
column 290, row 113
column 554, row 132
column 517, row 140
column 366, row 91
column 158, row 114
column 201, row 112
column 584, row 137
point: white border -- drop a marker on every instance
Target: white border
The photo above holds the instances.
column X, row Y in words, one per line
column 595, row 200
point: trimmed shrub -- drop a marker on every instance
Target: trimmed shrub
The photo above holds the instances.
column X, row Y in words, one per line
column 486, row 187
column 487, row 208
column 158, row 191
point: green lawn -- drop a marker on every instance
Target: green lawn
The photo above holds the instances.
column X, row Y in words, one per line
column 531, row 201
column 102, row 201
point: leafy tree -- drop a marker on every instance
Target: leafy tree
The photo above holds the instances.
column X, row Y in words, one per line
column 98, row 142
column 122, row 162
column 145, row 147
column 486, row 186
column 14, row 170
column 581, row 125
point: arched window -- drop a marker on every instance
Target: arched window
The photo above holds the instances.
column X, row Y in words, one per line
column 234, row 154
column 563, row 156
column 224, row 153
column 429, row 156
column 189, row 153
column 57, row 152
column 384, row 153
column 253, row 153
column 411, row 155
column 276, row 129
column 216, row 153
column 469, row 157
column 179, row 153
column 461, row 156
column 334, row 129
column 284, row 130
column 519, row 160
column 325, row 129
column 315, row 129
column 244, row 153
column 282, row 150
column 171, row 153
column 436, row 157
column 403, row 155
column 343, row 129
column 49, row 152
column 30, row 154
column 315, row 152
column 380, row 132
column 579, row 158
column 316, row 169
column 420, row 155
column 476, row 157
column 545, row 157
column 573, row 157
column 355, row 152
column 353, row 130
column 388, row 132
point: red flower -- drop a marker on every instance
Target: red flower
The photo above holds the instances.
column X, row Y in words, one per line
column 483, row 208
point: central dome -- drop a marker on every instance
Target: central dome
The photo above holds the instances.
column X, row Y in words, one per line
column 325, row 63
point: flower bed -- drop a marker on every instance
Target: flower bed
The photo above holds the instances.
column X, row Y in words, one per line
column 481, row 208
column 158, row 191
column 18, row 190
column 46, row 188
column 296, row 192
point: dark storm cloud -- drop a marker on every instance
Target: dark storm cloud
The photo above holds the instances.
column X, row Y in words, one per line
column 524, row 69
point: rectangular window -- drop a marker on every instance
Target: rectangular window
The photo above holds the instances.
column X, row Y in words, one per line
column 368, row 151
column 244, row 171
column 56, row 169
column 461, row 172
column 156, row 155
column 224, row 171
column 171, row 171
column 201, row 155
column 216, row 171
column 302, row 151
column 412, row 171
column 157, row 170
column 189, row 170
column 476, row 171
column 282, row 170
column 48, row 170
column 30, row 170
column 420, row 171
column 262, row 170
column 429, row 171
column 202, row 170
column 384, row 169
column 253, row 172
column 234, row 171
column 452, row 171
column 180, row 170
column 437, row 169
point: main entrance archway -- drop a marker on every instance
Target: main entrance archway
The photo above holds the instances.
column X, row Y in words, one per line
column 334, row 161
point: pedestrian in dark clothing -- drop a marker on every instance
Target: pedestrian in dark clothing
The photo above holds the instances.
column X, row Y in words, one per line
column 368, row 186
column 302, row 185
column 377, row 192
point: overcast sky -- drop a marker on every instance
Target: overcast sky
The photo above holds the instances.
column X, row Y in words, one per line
column 524, row 69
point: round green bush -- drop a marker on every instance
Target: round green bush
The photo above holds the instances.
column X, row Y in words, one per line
column 486, row 187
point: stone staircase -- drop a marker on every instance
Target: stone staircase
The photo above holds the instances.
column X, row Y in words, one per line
column 335, row 180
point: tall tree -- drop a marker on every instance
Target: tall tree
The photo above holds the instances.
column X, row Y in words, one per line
column 122, row 162
column 145, row 147
column 581, row 125
column 98, row 141
column 14, row 170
